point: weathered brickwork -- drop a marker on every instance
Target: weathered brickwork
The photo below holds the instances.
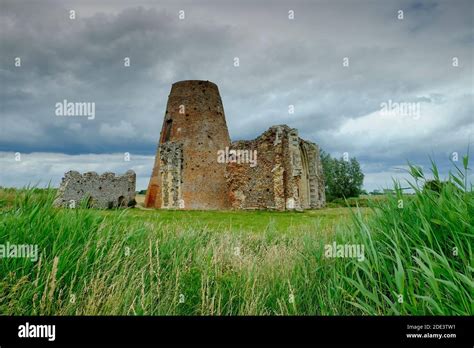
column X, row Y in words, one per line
column 194, row 118
column 288, row 175
column 98, row 191
column 188, row 175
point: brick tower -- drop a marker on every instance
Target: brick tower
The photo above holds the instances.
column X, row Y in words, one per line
column 186, row 174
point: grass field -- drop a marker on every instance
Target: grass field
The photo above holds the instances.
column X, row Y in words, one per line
column 417, row 258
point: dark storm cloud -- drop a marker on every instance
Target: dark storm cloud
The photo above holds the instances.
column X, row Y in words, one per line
column 282, row 63
column 82, row 60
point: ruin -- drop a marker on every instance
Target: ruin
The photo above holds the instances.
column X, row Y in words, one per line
column 104, row 191
column 288, row 174
column 186, row 173
column 197, row 167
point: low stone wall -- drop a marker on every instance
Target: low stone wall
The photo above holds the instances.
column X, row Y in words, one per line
column 100, row 191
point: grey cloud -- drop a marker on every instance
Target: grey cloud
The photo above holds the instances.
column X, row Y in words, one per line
column 282, row 62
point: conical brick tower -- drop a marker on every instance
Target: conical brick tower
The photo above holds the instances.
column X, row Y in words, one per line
column 186, row 173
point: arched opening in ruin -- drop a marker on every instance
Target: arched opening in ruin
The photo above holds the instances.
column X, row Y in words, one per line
column 304, row 187
column 121, row 202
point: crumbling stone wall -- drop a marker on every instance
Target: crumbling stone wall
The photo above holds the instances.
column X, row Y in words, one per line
column 316, row 183
column 100, row 191
column 171, row 168
column 288, row 174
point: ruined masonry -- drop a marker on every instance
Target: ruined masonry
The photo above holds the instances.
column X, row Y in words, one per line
column 100, row 191
column 188, row 175
column 288, row 175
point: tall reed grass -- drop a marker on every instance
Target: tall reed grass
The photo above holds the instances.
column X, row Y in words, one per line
column 418, row 260
column 419, row 249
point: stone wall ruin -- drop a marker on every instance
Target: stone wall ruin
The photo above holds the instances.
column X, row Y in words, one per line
column 104, row 191
column 288, row 175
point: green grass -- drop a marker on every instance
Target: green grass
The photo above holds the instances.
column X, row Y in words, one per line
column 144, row 262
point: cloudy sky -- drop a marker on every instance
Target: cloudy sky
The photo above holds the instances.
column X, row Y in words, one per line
column 423, row 60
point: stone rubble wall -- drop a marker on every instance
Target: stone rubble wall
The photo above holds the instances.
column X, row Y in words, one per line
column 288, row 174
column 171, row 167
column 316, row 177
column 97, row 191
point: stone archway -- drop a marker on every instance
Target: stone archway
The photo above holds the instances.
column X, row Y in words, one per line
column 304, row 187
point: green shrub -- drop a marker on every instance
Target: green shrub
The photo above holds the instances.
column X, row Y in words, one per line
column 343, row 177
